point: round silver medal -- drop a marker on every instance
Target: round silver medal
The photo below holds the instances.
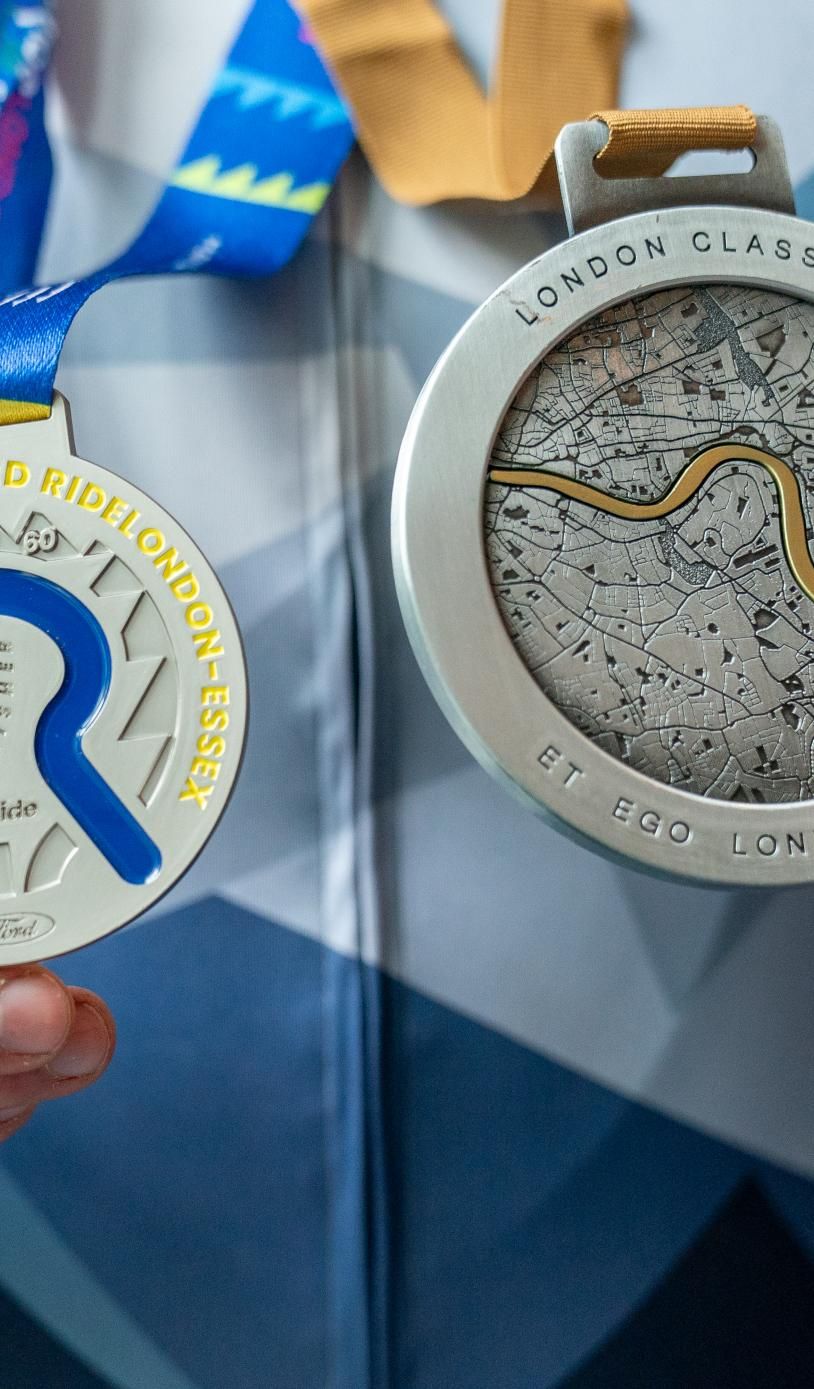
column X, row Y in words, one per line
column 603, row 523
column 122, row 697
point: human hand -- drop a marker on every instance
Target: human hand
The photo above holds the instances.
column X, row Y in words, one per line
column 54, row 1040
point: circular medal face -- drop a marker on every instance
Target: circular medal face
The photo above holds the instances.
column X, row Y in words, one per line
column 646, row 534
column 603, row 539
column 122, row 697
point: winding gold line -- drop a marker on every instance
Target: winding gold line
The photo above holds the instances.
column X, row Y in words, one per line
column 688, row 482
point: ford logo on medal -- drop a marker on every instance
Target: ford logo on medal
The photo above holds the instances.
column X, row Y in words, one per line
column 604, row 522
column 122, row 696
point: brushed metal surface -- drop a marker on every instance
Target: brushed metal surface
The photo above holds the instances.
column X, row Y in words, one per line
column 590, row 198
column 647, row 520
column 443, row 578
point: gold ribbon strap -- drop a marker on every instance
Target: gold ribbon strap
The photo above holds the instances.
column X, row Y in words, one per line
column 644, row 143
column 422, row 119
column 431, row 134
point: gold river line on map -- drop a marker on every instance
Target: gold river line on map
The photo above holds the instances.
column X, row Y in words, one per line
column 690, row 481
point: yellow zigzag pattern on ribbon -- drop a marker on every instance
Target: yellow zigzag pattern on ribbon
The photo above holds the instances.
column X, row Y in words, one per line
column 241, row 185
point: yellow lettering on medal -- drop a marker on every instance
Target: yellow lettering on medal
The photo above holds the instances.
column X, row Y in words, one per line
column 211, row 747
column 214, row 718
column 93, row 498
column 201, row 766
column 16, row 474
column 114, row 511
column 193, row 792
column 201, row 615
column 215, row 694
column 205, row 644
column 186, row 589
column 53, row 481
column 170, row 564
column 149, row 540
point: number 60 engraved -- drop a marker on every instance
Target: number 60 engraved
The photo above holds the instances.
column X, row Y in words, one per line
column 35, row 541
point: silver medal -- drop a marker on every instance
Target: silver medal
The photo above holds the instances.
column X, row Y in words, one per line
column 603, row 522
column 122, row 697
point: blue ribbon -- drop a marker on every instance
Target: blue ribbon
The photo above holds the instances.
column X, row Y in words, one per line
column 257, row 168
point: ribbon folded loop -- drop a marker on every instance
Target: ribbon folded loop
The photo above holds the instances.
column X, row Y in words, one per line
column 427, row 128
column 430, row 132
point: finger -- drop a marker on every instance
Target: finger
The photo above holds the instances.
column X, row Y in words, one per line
column 79, row 995
column 36, row 1014
column 14, row 1120
column 79, row 1062
column 88, row 1048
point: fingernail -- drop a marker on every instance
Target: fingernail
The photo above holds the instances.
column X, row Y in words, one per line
column 87, row 1046
column 13, row 1112
column 34, row 1014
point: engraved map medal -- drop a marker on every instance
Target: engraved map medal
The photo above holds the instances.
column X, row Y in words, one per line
column 122, row 697
column 603, row 522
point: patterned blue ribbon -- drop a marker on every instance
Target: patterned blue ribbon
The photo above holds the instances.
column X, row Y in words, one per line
column 257, row 168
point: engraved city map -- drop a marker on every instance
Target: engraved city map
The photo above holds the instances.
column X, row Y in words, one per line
column 682, row 643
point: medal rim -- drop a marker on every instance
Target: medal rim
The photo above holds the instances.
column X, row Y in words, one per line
column 442, row 577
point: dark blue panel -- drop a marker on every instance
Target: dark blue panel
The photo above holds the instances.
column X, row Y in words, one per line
column 735, row 1312
column 192, row 1179
column 282, row 1127
column 530, row 1209
column 31, row 1359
